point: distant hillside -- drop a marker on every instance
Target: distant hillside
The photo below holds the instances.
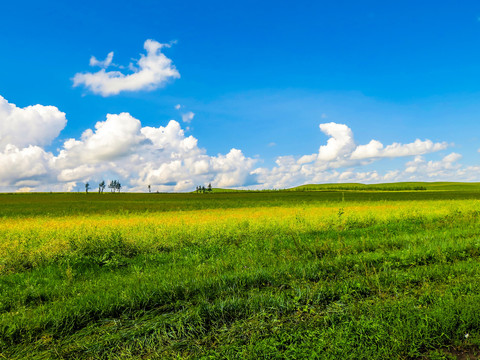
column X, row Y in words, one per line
column 399, row 186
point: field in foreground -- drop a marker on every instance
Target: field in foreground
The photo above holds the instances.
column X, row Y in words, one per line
column 327, row 275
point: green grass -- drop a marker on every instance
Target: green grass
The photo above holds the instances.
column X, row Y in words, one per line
column 351, row 285
column 400, row 186
column 63, row 204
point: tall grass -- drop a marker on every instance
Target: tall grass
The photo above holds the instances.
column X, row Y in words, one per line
column 335, row 280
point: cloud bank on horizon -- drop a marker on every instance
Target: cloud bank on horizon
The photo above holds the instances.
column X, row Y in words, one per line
column 168, row 160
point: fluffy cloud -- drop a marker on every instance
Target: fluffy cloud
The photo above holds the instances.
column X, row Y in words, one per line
column 112, row 139
column 289, row 173
column 446, row 169
column 165, row 158
column 162, row 157
column 375, row 149
column 29, row 166
column 152, row 71
column 31, row 125
column 341, row 151
column 175, row 161
column 339, row 146
column 435, row 169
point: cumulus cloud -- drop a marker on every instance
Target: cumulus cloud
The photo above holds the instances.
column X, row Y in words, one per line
column 447, row 168
column 163, row 157
column 340, row 145
column 31, row 125
column 375, row 149
column 117, row 136
column 151, row 71
column 27, row 166
column 419, row 166
column 341, row 151
column 289, row 173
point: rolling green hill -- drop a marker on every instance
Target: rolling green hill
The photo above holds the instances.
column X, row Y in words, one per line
column 397, row 186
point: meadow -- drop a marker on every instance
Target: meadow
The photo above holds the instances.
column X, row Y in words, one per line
column 325, row 273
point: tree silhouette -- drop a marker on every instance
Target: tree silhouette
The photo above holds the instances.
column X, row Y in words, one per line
column 87, row 187
column 149, row 188
column 113, row 185
column 101, row 187
column 209, row 188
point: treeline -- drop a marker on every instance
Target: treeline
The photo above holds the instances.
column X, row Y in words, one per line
column 114, row 186
column 203, row 189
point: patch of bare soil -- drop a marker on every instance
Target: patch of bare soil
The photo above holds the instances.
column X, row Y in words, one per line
column 464, row 353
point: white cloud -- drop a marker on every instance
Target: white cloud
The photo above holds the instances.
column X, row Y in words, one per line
column 289, row 173
column 165, row 158
column 433, row 169
column 112, row 139
column 305, row 159
column 105, row 63
column 339, row 146
column 153, row 70
column 30, row 164
column 171, row 139
column 31, row 125
column 233, row 169
column 188, row 117
column 452, row 157
column 341, row 151
column 375, row 149
column 162, row 157
column 371, row 150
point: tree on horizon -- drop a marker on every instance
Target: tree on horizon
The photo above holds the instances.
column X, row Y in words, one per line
column 113, row 185
column 101, row 187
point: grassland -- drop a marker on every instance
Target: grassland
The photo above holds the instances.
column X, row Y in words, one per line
column 399, row 186
column 329, row 274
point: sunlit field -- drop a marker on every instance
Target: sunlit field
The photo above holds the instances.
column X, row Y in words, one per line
column 337, row 274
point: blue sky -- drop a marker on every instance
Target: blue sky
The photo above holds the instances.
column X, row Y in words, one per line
column 259, row 77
